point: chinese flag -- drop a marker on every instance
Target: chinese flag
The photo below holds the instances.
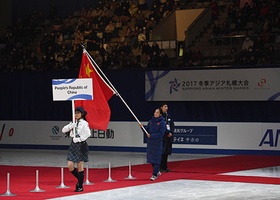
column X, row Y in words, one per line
column 98, row 110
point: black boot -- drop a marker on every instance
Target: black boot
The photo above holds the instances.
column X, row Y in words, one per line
column 81, row 181
column 76, row 174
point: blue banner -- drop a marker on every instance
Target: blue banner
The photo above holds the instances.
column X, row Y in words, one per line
column 201, row 135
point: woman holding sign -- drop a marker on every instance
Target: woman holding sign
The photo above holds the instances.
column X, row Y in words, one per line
column 78, row 150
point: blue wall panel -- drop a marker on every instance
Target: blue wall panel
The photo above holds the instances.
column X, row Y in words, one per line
column 28, row 96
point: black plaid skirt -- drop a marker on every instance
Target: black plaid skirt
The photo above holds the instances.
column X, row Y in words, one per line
column 74, row 153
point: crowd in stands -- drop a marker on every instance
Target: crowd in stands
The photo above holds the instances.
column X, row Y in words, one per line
column 255, row 25
column 39, row 42
column 50, row 42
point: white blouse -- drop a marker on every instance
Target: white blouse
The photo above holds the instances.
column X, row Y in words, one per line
column 82, row 130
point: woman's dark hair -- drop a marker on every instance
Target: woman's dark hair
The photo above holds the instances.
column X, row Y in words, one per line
column 83, row 112
column 160, row 111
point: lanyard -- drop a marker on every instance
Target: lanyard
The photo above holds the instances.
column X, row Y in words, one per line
column 76, row 130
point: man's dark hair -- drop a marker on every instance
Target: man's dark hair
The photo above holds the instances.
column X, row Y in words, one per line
column 162, row 104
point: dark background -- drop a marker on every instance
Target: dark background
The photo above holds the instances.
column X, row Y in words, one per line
column 27, row 95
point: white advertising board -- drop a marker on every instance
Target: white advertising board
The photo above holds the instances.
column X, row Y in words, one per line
column 230, row 136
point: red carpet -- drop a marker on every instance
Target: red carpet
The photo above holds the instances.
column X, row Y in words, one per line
column 23, row 179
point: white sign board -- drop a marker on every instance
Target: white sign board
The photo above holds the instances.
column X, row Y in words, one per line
column 72, row 89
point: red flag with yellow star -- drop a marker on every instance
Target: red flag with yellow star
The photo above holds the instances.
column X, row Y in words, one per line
column 98, row 109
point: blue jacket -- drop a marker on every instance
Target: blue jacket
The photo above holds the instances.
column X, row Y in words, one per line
column 156, row 128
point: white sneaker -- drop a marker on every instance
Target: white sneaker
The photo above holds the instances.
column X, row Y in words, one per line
column 158, row 174
column 153, row 178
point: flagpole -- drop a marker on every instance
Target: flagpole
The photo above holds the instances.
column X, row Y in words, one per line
column 115, row 90
column 73, row 110
column 73, row 114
